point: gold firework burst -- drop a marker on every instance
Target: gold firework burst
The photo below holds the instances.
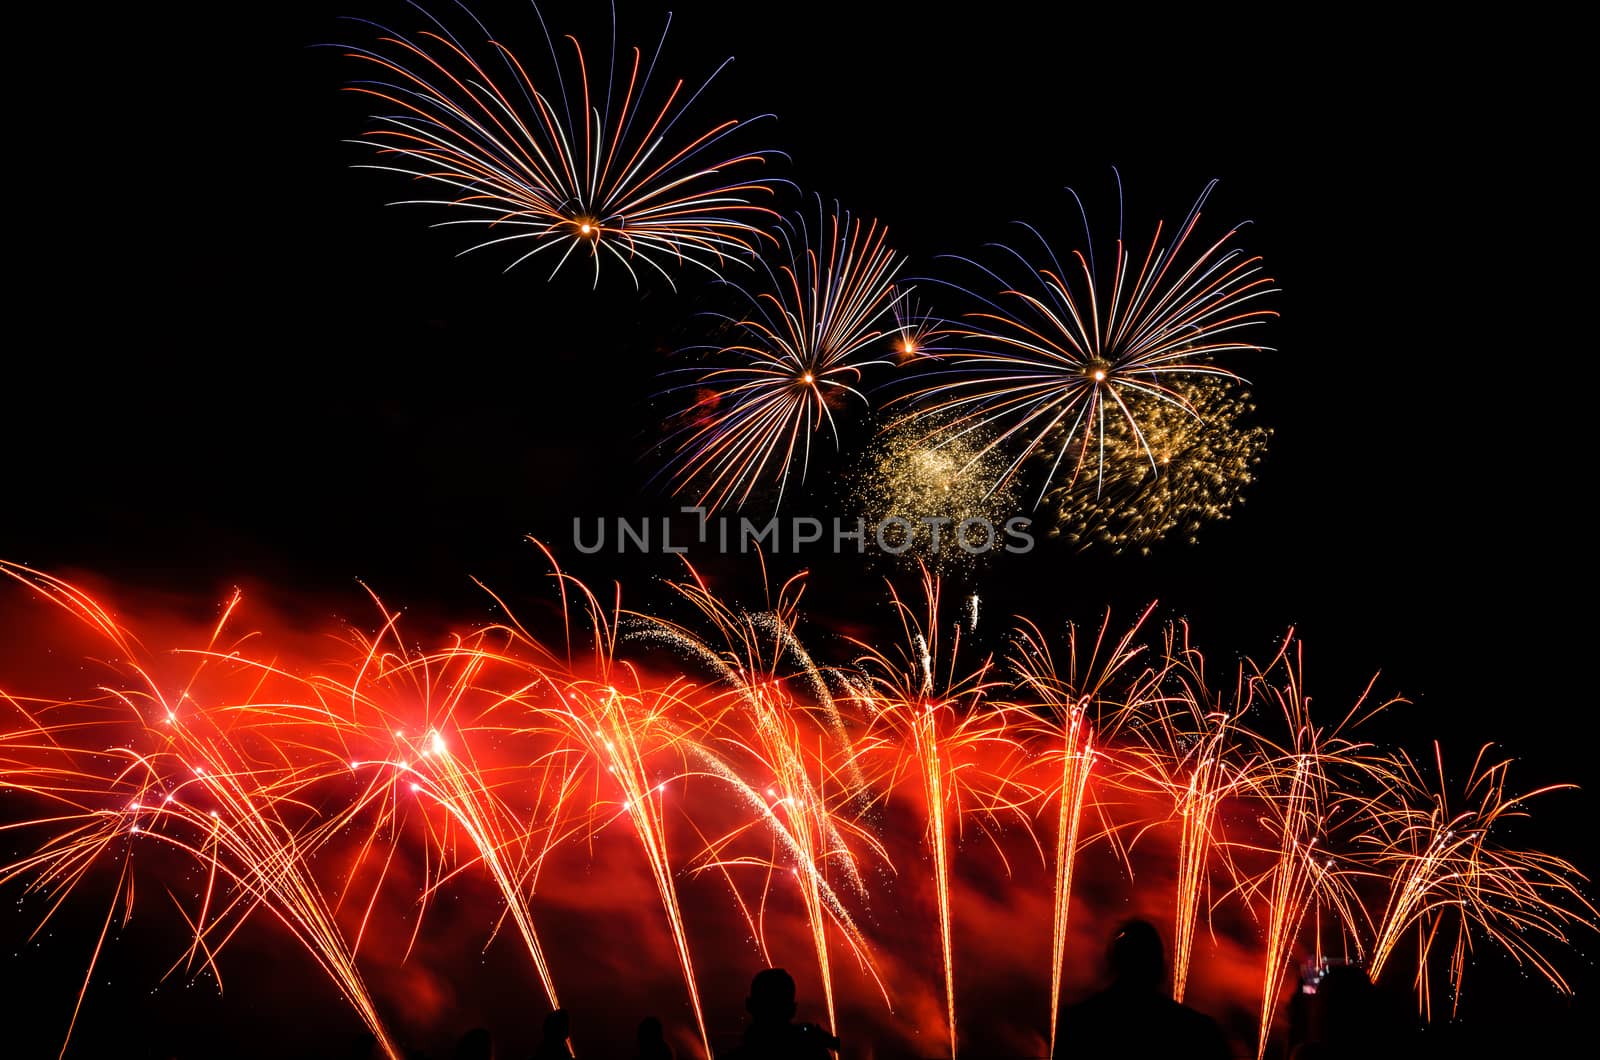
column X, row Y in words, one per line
column 934, row 492
column 1187, row 466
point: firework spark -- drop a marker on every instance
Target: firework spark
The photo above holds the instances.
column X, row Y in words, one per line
column 414, row 719
column 918, row 333
column 758, row 661
column 931, row 497
column 1190, row 750
column 616, row 725
column 1204, row 452
column 1312, row 787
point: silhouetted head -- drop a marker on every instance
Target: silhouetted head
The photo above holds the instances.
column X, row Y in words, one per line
column 1343, row 1010
column 1136, row 957
column 771, row 997
column 475, row 1045
column 650, row 1033
column 557, row 1026
column 363, row 1046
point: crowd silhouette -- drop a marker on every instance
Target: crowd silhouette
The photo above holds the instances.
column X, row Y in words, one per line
column 1337, row 1016
column 555, row 1041
column 1345, row 1019
column 772, row 1031
column 653, row 1040
column 1133, row 1018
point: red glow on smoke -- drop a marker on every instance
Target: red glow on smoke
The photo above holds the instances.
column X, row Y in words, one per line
column 597, row 907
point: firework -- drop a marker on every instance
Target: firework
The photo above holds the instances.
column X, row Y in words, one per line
column 789, row 366
column 497, row 750
column 1189, row 751
column 413, row 719
column 918, row 333
column 1312, row 786
column 180, row 765
column 1047, row 364
column 757, row 663
column 1446, row 867
column 614, row 725
column 1074, row 697
column 935, row 722
column 562, row 159
column 1204, row 457
column 932, row 496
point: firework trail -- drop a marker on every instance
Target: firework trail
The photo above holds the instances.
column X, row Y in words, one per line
column 1072, row 696
column 614, row 724
column 1443, row 864
column 564, row 159
column 935, row 725
column 788, row 363
column 493, row 752
column 621, row 730
column 1188, row 749
column 755, row 660
column 182, row 764
column 414, row 718
column 1047, row 363
column 1310, row 788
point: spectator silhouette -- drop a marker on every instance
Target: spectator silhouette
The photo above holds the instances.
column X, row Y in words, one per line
column 475, row 1045
column 553, row 1043
column 652, row 1041
column 1133, row 1018
column 1346, row 1019
column 772, row 1033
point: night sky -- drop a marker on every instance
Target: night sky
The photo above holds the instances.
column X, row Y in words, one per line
column 232, row 363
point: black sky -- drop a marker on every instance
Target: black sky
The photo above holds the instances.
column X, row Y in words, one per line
column 232, row 362
column 257, row 366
